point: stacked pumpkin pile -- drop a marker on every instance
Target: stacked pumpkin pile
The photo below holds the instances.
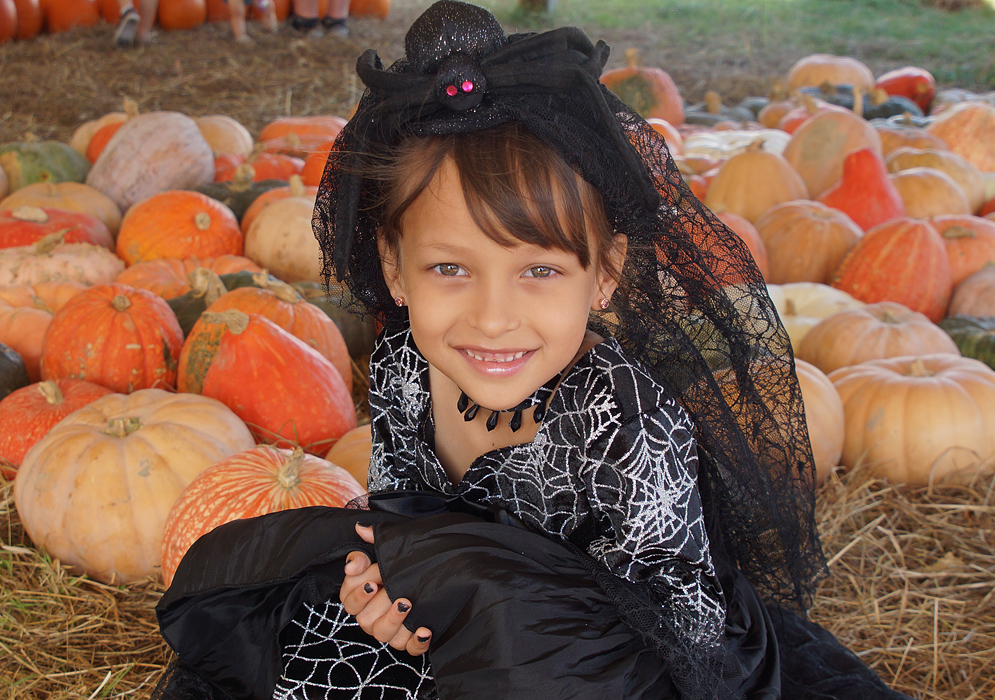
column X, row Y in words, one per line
column 872, row 223
column 153, row 335
column 25, row 19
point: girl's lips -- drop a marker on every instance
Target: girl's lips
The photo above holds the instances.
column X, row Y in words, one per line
column 496, row 364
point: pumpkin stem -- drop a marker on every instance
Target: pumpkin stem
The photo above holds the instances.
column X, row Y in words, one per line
column 123, row 427
column 202, row 220
column 49, row 242
column 713, row 102
column 956, row 231
column 297, row 186
column 120, row 302
column 789, row 308
column 282, row 290
column 858, row 101
column 879, row 96
column 778, row 92
column 206, row 284
column 30, row 137
column 51, row 392
column 632, row 57
column 26, row 212
column 243, row 177
column 237, row 321
column 809, row 103
column 130, row 108
column 257, row 151
column 289, row 472
column 917, row 368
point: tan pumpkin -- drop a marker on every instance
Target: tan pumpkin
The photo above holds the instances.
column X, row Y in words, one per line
column 967, row 129
column 51, row 261
column 80, row 139
column 801, row 305
column 152, row 153
column 963, row 172
column 352, row 452
column 750, row 183
column 22, row 328
column 975, row 296
column 918, row 420
column 819, row 68
column 805, row 241
column 170, row 277
column 295, row 188
column 95, row 492
column 823, row 416
column 73, row 196
column 872, row 332
column 819, row 146
column 928, row 192
column 261, row 480
column 281, row 240
column 225, row 134
column 896, row 136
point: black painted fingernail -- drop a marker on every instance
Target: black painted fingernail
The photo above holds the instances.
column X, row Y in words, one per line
column 403, row 607
column 424, row 639
column 368, row 587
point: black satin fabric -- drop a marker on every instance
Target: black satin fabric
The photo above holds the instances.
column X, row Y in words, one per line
column 513, row 614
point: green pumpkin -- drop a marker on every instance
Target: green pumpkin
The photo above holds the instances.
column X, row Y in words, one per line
column 26, row 163
column 13, row 373
column 239, row 194
column 842, row 96
column 973, row 335
column 206, row 286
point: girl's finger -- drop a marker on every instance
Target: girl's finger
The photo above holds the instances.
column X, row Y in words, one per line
column 388, row 626
column 365, row 532
column 373, row 612
column 356, row 600
column 419, row 641
column 356, row 563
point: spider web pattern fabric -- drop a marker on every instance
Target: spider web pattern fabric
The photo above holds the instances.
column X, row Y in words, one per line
column 612, row 471
column 327, row 656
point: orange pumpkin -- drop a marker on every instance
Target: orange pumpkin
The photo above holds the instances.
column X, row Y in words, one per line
column 901, row 260
column 327, row 126
column 255, row 482
column 182, row 14
column 819, row 146
column 8, row 20
column 284, row 390
column 670, row 134
column 169, row 277
column 27, row 225
column 805, row 241
column 864, row 191
column 114, row 335
column 63, row 15
column 872, row 332
column 917, row 84
column 178, row 224
column 265, row 166
column 352, row 452
column 22, row 328
column 217, row 11
column 752, row 182
column 369, row 8
column 748, row 232
column 651, row 92
column 920, row 419
column 970, row 242
column 30, row 412
column 29, row 19
column 314, row 164
column 967, row 129
column 284, row 306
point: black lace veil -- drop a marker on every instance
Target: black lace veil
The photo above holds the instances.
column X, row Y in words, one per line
column 691, row 305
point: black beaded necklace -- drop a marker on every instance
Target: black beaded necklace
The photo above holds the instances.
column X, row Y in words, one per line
column 539, row 399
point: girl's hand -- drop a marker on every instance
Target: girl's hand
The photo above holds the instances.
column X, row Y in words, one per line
column 362, row 594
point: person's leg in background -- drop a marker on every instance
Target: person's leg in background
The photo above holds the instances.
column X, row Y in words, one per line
column 135, row 26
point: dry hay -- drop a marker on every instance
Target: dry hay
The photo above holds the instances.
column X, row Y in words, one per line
column 912, row 591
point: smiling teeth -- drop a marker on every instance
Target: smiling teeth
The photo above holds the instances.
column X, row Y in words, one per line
column 496, row 358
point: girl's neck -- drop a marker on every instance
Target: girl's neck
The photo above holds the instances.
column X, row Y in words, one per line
column 458, row 443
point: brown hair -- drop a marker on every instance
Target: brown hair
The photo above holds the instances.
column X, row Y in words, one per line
column 515, row 187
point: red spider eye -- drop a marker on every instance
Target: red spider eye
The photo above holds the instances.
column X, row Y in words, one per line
column 467, row 86
column 451, row 91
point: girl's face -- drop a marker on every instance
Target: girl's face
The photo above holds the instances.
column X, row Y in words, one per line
column 498, row 321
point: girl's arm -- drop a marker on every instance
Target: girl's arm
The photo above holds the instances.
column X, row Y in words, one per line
column 651, row 531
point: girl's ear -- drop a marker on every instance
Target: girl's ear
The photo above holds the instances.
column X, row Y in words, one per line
column 609, row 273
column 391, row 267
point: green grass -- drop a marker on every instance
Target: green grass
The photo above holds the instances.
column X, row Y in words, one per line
column 957, row 47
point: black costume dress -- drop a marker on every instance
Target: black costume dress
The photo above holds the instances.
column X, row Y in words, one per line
column 573, row 566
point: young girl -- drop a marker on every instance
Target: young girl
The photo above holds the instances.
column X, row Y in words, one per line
column 590, row 474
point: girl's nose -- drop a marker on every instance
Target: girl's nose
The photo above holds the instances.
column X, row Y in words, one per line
column 494, row 311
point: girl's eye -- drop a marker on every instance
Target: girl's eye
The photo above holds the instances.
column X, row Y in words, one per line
column 539, row 271
column 448, row 269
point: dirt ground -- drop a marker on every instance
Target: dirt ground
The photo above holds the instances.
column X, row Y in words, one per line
column 53, row 83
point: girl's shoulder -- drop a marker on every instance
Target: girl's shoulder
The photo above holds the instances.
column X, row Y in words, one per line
column 607, row 380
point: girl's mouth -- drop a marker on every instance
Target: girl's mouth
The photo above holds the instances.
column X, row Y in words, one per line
column 496, row 363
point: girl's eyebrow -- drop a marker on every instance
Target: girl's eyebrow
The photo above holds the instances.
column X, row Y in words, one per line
column 445, row 247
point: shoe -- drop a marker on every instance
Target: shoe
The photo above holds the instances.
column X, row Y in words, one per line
column 127, row 29
column 335, row 27
column 304, row 25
